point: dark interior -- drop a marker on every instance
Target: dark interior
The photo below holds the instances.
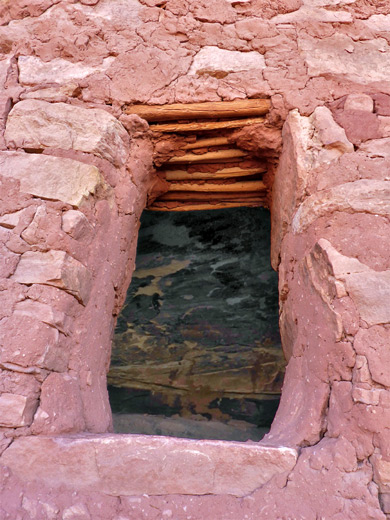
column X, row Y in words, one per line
column 196, row 351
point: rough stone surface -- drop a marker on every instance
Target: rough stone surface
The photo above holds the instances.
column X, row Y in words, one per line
column 316, row 61
column 46, row 345
column 385, row 502
column 8, row 259
column 373, row 344
column 217, row 62
column 77, row 511
column 376, row 147
column 43, row 312
column 371, row 291
column 55, row 268
column 75, row 224
column 159, row 465
column 11, row 220
column 306, row 13
column 39, row 124
column 341, row 56
column 361, row 102
column 34, row 71
column 382, row 472
column 51, row 177
column 60, row 406
column 308, row 142
column 366, row 196
column 361, row 125
column 382, row 104
column 16, row 410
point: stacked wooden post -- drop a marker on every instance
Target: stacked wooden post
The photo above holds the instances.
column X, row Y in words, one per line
column 208, row 171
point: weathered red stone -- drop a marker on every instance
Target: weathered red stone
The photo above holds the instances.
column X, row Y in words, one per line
column 38, row 124
column 55, row 268
column 126, row 465
column 46, row 346
column 75, row 174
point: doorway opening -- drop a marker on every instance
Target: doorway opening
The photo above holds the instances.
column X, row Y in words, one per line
column 196, row 351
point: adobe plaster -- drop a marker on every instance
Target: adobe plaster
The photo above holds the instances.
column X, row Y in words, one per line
column 75, row 177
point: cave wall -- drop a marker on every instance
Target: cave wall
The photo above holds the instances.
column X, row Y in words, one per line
column 75, row 176
column 199, row 331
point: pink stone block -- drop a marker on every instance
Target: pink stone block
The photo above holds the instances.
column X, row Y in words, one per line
column 34, row 71
column 60, row 407
column 16, row 410
column 48, row 177
column 123, row 465
column 365, row 396
column 369, row 196
column 362, row 102
column 43, row 312
column 373, row 343
column 8, row 261
column 75, row 224
column 55, row 268
column 27, row 342
column 370, row 292
column 381, row 468
column 33, row 123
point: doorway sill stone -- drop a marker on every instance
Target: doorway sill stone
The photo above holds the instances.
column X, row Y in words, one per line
column 123, row 465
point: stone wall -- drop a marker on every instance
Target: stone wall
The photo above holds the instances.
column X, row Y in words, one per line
column 69, row 223
column 75, row 174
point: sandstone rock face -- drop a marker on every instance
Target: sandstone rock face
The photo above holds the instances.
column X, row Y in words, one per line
column 335, row 275
column 372, row 344
column 55, row 268
column 75, row 224
column 312, row 12
column 370, row 292
column 16, row 410
column 8, row 260
column 376, row 147
column 60, row 406
column 308, row 143
column 361, row 102
column 382, row 472
column 51, row 177
column 340, row 55
column 43, row 312
column 11, row 220
column 38, row 124
column 312, row 58
column 47, row 348
column 78, row 511
column 331, row 341
column 120, row 13
column 159, row 465
column 34, row 71
column 214, row 61
column 359, row 196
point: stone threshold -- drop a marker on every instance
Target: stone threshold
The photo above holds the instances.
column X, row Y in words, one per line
column 125, row 465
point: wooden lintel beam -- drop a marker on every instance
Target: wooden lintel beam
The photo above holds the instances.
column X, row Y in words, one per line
column 161, row 206
column 207, row 110
column 208, row 186
column 208, row 157
column 204, row 126
column 225, row 173
column 205, row 143
column 209, row 195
